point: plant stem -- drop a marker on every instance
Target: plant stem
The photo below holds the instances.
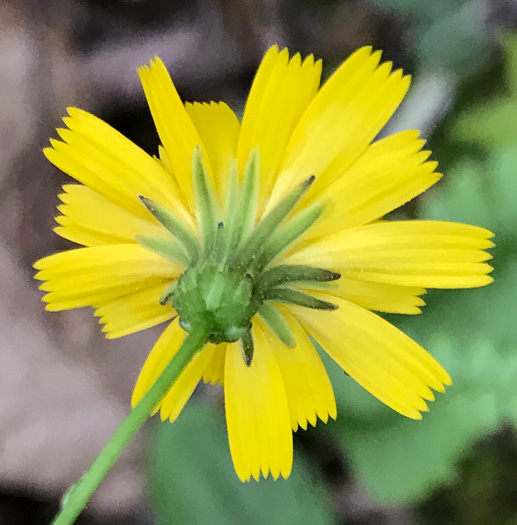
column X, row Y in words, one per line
column 79, row 494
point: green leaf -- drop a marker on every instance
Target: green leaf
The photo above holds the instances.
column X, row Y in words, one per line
column 400, row 460
column 445, row 34
column 481, row 192
column 453, row 199
column 494, row 122
column 510, row 46
column 193, row 481
column 458, row 41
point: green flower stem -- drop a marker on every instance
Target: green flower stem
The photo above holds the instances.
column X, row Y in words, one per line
column 79, row 494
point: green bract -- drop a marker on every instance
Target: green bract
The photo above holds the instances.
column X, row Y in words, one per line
column 230, row 275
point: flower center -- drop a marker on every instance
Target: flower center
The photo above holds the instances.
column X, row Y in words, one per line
column 231, row 274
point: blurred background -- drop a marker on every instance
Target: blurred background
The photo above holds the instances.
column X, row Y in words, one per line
column 64, row 389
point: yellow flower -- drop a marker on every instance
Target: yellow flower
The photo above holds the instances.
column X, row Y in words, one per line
column 265, row 232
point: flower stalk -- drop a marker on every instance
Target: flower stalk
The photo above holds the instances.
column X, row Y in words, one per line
column 77, row 497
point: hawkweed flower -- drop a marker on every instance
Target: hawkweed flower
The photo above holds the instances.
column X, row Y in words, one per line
column 263, row 234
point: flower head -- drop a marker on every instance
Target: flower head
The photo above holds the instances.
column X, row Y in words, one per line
column 265, row 233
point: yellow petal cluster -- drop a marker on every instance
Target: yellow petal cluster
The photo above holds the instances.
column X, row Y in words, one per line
column 300, row 129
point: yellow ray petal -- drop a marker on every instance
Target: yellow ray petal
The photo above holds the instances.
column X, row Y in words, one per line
column 176, row 398
column 160, row 356
column 91, row 276
column 257, row 414
column 381, row 358
column 428, row 254
column 214, row 372
column 90, row 219
column 175, row 128
column 100, row 157
column 280, row 93
column 134, row 312
column 218, row 128
column 380, row 297
column 342, row 119
column 82, row 235
column 391, row 172
column 307, row 385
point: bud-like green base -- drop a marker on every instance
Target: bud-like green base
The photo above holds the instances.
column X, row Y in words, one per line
column 220, row 299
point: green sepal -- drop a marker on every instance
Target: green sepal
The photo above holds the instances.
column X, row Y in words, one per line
column 168, row 295
column 243, row 215
column 214, row 291
column 286, row 295
column 184, row 237
column 166, row 248
column 291, row 273
column 270, row 222
column 248, row 348
column 206, row 201
column 217, row 253
column 283, row 237
column 277, row 322
column 249, row 193
column 231, row 227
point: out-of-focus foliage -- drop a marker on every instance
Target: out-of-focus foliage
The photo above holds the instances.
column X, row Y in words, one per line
column 472, row 332
column 494, row 123
column 445, row 34
column 194, row 481
column 431, row 12
column 400, row 461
